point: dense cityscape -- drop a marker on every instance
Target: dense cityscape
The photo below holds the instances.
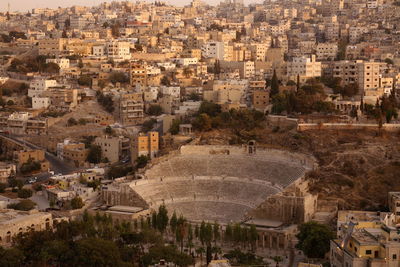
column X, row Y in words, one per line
column 141, row 133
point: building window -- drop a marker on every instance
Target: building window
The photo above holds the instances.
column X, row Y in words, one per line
column 368, row 252
column 394, row 257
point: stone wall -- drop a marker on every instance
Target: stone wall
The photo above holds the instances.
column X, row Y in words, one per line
column 307, row 161
column 293, row 205
column 347, row 126
column 8, row 146
column 122, row 194
column 13, row 222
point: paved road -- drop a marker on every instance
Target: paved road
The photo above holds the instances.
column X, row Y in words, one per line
column 57, row 165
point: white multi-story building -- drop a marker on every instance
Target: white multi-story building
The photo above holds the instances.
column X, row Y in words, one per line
column 40, row 102
column 355, row 33
column 213, row 50
column 372, row 4
column 171, row 19
column 326, row 51
column 38, row 86
column 167, row 65
column 63, row 63
column 118, row 51
column 174, row 91
column 186, row 61
column 305, row 67
column 99, row 50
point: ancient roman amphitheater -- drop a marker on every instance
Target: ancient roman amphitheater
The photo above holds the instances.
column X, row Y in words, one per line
column 218, row 183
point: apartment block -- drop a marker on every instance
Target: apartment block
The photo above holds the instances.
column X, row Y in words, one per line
column 145, row 145
column 305, row 67
column 131, row 108
column 138, row 74
column 365, row 74
column 114, row 148
column 51, row 47
column 260, row 99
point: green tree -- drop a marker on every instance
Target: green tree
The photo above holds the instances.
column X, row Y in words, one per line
column 389, row 61
column 208, row 234
column 97, row 252
column 202, row 232
column 154, row 110
column 216, row 232
column 187, row 72
column 148, row 125
column 174, row 129
column 24, row 193
column 274, row 85
column 71, row 122
column 173, row 222
column 51, row 68
column 3, row 187
column 95, row 154
column 165, row 81
column 253, row 236
column 108, row 130
column 85, row 80
column 29, row 167
column 209, row 108
column 77, row 203
column 118, row 171
column 203, row 122
column 228, row 233
column 197, row 231
column 190, row 238
column 217, row 67
column 106, row 101
column 194, row 97
column 350, row 89
column 162, row 218
column 314, row 239
column 141, row 161
column 11, row 257
column 154, row 220
column 25, row 205
column 180, row 232
column 277, row 260
column 118, row 77
column 200, row 251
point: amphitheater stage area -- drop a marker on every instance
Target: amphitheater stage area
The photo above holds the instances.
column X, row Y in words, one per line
column 219, row 183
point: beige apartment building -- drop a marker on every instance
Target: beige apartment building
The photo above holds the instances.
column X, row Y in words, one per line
column 77, row 154
column 365, row 74
column 114, row 148
column 260, row 99
column 145, row 145
column 304, row 67
column 138, row 74
column 26, row 156
column 131, row 108
column 49, row 47
column 326, row 51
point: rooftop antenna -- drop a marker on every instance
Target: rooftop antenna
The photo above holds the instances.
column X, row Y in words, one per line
column 8, row 7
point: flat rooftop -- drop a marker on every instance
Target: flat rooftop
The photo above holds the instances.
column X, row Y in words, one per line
column 126, row 209
column 8, row 217
column 264, row 223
